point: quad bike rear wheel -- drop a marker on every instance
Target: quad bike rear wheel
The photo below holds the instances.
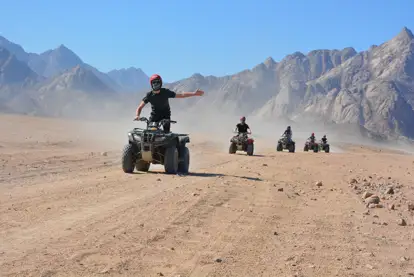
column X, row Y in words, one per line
column 250, row 149
column 315, row 148
column 232, row 148
column 327, row 149
column 128, row 158
column 184, row 165
column 171, row 160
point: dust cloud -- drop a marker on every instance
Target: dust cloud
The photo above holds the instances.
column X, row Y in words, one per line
column 104, row 123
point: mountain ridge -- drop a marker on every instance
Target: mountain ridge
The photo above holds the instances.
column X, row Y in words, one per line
column 371, row 89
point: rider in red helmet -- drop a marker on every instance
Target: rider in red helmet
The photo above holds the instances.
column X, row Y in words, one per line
column 312, row 137
column 242, row 127
column 158, row 97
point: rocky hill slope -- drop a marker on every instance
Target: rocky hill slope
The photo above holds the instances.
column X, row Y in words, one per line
column 373, row 89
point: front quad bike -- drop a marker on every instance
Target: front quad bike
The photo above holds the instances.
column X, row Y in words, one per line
column 324, row 146
column 153, row 146
column 241, row 142
column 309, row 145
column 284, row 143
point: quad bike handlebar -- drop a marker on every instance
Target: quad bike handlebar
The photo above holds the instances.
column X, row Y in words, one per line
column 162, row 121
column 247, row 133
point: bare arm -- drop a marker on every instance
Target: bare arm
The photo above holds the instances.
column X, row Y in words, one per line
column 189, row 94
column 139, row 109
column 184, row 94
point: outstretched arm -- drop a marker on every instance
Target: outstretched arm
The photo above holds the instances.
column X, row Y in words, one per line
column 250, row 130
column 189, row 94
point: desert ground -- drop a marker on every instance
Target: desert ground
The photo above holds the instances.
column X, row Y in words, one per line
column 67, row 208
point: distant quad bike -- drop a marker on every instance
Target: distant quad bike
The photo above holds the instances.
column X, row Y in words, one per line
column 309, row 145
column 241, row 142
column 284, row 143
column 324, row 146
column 153, row 146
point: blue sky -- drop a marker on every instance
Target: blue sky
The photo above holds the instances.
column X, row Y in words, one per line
column 178, row 38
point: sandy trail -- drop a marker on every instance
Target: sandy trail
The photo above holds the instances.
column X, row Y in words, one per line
column 68, row 210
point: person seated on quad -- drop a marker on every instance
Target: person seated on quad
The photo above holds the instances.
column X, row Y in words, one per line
column 288, row 133
column 324, row 139
column 158, row 97
column 242, row 127
column 312, row 138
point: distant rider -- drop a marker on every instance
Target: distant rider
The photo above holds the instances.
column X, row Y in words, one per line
column 242, row 127
column 158, row 97
column 324, row 139
column 312, row 138
column 288, row 133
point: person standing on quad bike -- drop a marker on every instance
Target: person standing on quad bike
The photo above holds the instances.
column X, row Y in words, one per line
column 242, row 127
column 158, row 97
column 288, row 133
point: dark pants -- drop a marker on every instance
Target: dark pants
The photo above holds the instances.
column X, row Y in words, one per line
column 166, row 126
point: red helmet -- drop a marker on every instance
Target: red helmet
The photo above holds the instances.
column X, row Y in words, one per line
column 158, row 84
column 313, row 134
column 243, row 118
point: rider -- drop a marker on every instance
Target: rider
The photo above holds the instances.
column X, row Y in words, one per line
column 242, row 127
column 158, row 97
column 312, row 138
column 288, row 133
column 324, row 139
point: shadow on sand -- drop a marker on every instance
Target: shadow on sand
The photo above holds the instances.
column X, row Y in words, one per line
column 202, row 174
column 254, row 155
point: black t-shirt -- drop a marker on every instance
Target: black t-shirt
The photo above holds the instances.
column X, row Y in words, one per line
column 242, row 128
column 160, row 105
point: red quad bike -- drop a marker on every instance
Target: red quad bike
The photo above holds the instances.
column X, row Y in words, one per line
column 241, row 142
column 309, row 145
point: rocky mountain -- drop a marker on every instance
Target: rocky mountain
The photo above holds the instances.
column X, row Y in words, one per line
column 77, row 79
column 373, row 89
column 14, row 72
column 56, row 61
column 131, row 79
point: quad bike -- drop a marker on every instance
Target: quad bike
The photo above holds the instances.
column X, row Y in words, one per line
column 153, row 145
column 324, row 146
column 284, row 143
column 311, row 145
column 241, row 142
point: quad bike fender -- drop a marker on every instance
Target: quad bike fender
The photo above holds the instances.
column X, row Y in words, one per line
column 133, row 138
column 183, row 140
column 130, row 138
column 250, row 141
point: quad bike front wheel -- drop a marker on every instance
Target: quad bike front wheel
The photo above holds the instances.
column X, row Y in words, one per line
column 315, row 148
column 292, row 148
column 128, row 158
column 250, row 149
column 171, row 160
column 184, row 165
column 306, row 148
column 232, row 148
column 327, row 149
column 279, row 147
